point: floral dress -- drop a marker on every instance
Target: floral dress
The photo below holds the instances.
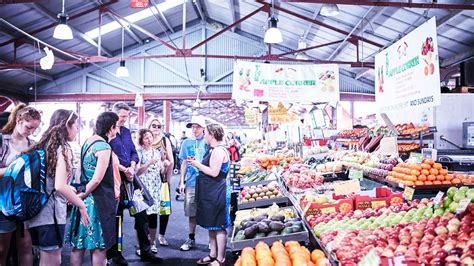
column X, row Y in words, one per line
column 90, row 236
column 151, row 177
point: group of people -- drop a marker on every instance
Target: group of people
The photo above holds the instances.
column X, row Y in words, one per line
column 97, row 189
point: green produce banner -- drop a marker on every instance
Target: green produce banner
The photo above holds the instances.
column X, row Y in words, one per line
column 286, row 83
column 407, row 72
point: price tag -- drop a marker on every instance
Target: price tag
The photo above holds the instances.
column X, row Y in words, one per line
column 139, row 3
column 347, row 187
column 356, row 174
column 408, row 193
column 417, row 156
column 462, row 206
column 437, row 199
column 371, row 259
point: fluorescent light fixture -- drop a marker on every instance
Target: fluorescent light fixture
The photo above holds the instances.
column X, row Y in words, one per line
column 273, row 34
column 329, row 10
column 122, row 71
column 62, row 30
column 146, row 13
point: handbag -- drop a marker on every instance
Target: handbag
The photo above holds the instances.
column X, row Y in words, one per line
column 165, row 204
column 141, row 198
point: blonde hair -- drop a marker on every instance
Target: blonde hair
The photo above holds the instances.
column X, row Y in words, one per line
column 150, row 120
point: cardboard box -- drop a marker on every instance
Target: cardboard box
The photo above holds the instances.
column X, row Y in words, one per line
column 383, row 197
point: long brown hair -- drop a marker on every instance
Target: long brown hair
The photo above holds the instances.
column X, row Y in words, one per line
column 21, row 112
column 56, row 136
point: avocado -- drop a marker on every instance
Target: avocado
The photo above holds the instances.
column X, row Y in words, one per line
column 274, row 233
column 251, row 231
column 247, row 224
column 298, row 224
column 288, row 224
column 296, row 219
column 261, row 217
column 287, row 231
column 263, row 227
column 267, row 221
column 277, row 226
column 260, row 235
column 239, row 237
column 278, row 217
column 295, row 228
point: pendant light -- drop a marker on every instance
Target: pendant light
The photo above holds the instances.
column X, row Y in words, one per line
column 273, row 34
column 62, row 30
column 122, row 71
column 329, row 10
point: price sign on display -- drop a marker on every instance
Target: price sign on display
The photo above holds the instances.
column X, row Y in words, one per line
column 417, row 156
column 408, row 193
column 355, row 174
column 437, row 199
column 347, row 187
column 462, row 206
column 139, row 3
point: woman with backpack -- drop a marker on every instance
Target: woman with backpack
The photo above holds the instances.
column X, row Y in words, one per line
column 162, row 145
column 47, row 228
column 96, row 189
column 22, row 122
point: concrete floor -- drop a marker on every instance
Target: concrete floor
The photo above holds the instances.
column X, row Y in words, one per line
column 176, row 234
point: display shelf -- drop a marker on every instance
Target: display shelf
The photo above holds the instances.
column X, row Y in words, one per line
column 263, row 182
column 262, row 203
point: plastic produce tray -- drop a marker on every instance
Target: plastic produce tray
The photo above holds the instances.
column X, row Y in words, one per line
column 302, row 236
column 262, row 203
column 263, row 182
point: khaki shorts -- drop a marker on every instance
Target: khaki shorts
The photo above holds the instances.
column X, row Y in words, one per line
column 189, row 202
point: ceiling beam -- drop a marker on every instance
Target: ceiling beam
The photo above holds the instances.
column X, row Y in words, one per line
column 232, row 13
column 51, row 16
column 448, row 18
column 408, row 4
column 357, row 31
column 75, row 16
column 162, row 16
column 458, row 58
column 310, row 25
column 127, row 29
column 32, row 72
column 200, row 9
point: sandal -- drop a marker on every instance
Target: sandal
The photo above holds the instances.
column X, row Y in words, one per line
column 206, row 260
column 220, row 263
column 163, row 241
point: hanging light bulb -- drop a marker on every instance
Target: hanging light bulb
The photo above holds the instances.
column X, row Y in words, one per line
column 273, row 34
column 329, row 10
column 62, row 30
column 122, row 71
column 301, row 45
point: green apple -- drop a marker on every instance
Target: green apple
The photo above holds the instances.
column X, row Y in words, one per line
column 439, row 212
column 453, row 206
column 447, row 202
column 470, row 194
column 451, row 191
column 464, row 189
column 458, row 196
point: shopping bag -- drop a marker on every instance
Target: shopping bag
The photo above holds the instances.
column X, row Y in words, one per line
column 165, row 204
column 142, row 199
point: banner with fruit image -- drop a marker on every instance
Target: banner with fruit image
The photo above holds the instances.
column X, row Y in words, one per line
column 407, row 72
column 286, row 83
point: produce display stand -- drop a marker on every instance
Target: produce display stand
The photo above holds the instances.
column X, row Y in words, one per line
column 302, row 236
column 235, row 189
column 263, row 182
column 280, row 201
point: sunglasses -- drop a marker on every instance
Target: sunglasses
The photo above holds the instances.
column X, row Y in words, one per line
column 155, row 126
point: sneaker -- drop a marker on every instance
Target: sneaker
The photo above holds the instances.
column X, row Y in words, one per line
column 138, row 252
column 154, row 249
column 150, row 257
column 189, row 244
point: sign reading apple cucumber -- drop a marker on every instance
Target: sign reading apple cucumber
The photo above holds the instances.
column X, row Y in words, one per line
column 286, row 83
column 407, row 72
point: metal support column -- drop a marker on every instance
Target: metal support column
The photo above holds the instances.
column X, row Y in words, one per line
column 141, row 116
column 167, row 114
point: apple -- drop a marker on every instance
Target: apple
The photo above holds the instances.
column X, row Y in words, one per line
column 441, row 230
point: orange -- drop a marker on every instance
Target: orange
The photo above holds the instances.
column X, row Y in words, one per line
column 434, row 171
column 429, row 161
column 446, row 182
column 456, row 181
column 448, row 177
column 440, row 177
column 443, row 171
column 426, row 166
column 437, row 166
column 291, row 244
column 409, row 183
column 425, row 172
column 431, row 178
column 437, row 182
column 419, row 183
column 317, row 254
column 415, row 172
column 428, row 183
column 418, row 167
column 422, row 178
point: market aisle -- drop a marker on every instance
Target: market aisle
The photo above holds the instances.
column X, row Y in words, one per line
column 176, row 233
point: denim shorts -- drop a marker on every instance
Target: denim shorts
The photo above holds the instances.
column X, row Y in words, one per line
column 45, row 237
column 6, row 226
